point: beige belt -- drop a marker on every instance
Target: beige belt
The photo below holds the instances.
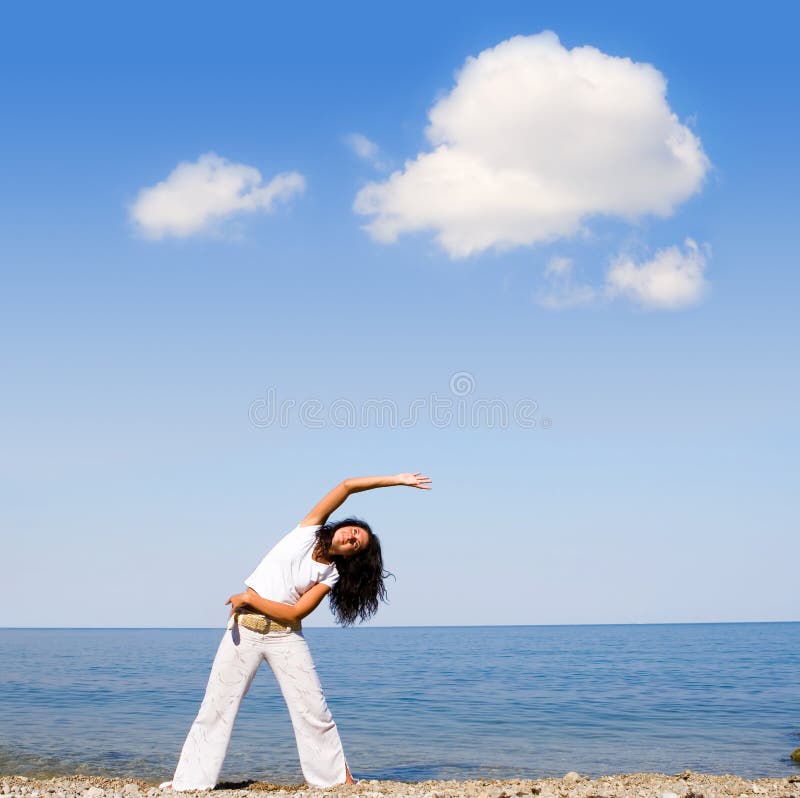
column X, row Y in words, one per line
column 256, row 622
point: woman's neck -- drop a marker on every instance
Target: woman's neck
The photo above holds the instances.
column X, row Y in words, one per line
column 320, row 554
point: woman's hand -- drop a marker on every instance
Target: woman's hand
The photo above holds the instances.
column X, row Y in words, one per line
column 415, row 480
column 238, row 600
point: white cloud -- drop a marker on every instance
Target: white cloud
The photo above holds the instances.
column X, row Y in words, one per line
column 366, row 149
column 671, row 280
column 532, row 140
column 195, row 196
column 361, row 146
column 558, row 266
column 566, row 295
column 562, row 291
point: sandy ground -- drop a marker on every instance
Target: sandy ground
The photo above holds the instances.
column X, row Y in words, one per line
column 572, row 785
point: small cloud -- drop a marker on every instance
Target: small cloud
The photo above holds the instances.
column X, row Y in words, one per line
column 532, row 141
column 197, row 195
column 562, row 291
column 568, row 295
column 558, row 267
column 671, row 280
column 361, row 146
column 366, row 149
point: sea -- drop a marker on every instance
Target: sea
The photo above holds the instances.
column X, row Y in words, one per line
column 419, row 703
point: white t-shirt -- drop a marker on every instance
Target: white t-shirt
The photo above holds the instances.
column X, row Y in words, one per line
column 289, row 569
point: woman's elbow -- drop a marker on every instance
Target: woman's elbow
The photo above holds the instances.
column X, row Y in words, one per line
column 294, row 618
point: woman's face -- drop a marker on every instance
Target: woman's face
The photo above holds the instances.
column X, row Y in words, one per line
column 349, row 540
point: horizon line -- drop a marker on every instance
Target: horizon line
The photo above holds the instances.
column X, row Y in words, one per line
column 409, row 626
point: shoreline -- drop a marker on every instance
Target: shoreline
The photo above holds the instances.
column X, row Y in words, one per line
column 630, row 785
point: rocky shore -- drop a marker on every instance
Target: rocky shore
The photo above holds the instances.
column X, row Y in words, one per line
column 572, row 785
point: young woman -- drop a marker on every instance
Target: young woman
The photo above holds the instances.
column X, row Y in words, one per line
column 315, row 559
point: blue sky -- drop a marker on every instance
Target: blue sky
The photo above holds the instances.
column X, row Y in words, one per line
column 658, row 482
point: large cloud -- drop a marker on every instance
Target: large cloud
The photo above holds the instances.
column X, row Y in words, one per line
column 532, row 140
column 196, row 196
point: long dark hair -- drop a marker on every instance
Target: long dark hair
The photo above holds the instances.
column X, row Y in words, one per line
column 361, row 577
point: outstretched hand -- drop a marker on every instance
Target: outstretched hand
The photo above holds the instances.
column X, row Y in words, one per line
column 415, row 480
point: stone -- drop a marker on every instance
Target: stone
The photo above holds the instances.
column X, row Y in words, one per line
column 796, row 755
column 572, row 777
column 668, row 794
column 131, row 789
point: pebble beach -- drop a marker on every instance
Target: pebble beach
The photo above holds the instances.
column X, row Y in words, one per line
column 571, row 785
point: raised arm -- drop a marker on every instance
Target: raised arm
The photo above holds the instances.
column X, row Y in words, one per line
column 335, row 498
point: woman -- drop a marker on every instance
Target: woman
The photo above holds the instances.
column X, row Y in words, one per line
column 315, row 559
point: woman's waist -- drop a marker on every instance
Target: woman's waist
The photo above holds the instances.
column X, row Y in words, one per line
column 259, row 622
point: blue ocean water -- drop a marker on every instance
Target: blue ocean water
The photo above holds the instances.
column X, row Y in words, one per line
column 419, row 703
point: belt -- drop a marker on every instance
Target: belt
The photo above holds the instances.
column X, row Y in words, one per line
column 256, row 622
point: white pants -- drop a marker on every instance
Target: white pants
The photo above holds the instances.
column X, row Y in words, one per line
column 238, row 657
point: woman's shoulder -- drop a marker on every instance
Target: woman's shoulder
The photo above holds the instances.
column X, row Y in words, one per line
column 301, row 531
column 304, row 535
column 312, row 527
column 298, row 538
